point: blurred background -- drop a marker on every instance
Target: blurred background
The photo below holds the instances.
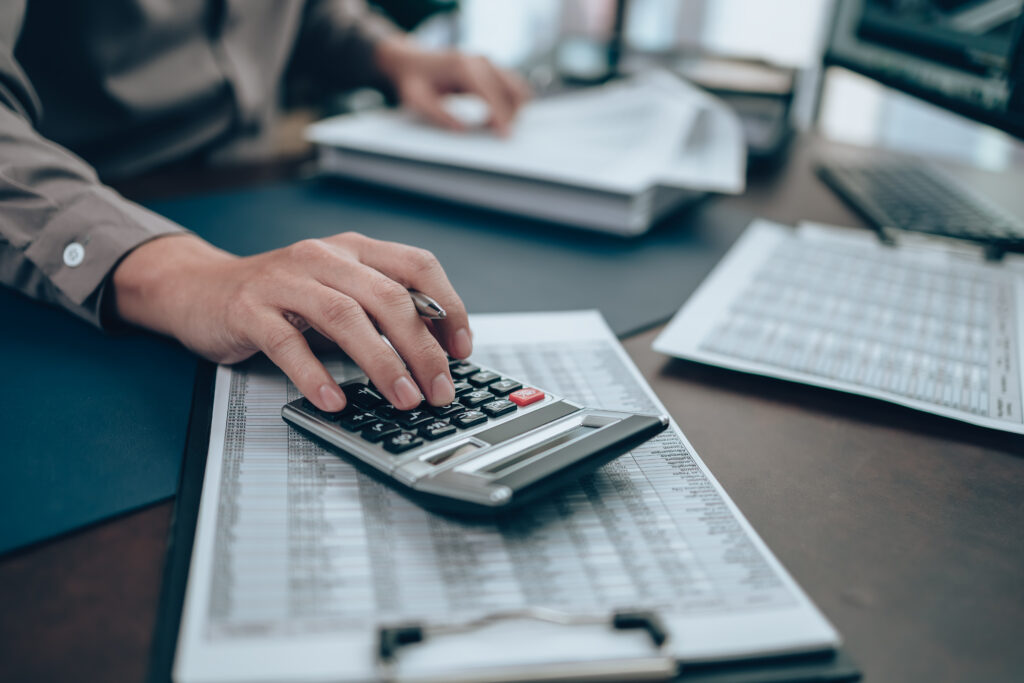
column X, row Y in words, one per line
column 551, row 39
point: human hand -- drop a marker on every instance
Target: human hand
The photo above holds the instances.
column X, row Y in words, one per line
column 227, row 308
column 422, row 77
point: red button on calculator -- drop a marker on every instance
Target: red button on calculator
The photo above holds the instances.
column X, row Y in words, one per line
column 525, row 397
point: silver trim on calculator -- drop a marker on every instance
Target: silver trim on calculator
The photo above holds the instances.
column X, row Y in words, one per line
column 484, row 465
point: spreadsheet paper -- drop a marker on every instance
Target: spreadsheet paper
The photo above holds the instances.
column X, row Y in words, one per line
column 922, row 325
column 298, row 556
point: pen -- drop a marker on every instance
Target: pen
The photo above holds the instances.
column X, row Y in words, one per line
column 426, row 306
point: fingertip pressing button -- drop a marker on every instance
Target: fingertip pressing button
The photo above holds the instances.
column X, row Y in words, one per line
column 74, row 254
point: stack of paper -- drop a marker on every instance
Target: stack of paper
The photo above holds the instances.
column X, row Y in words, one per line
column 612, row 158
column 923, row 325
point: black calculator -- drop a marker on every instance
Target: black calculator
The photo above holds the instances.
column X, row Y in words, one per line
column 501, row 443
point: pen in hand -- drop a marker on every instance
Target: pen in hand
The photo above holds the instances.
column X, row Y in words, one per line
column 426, row 306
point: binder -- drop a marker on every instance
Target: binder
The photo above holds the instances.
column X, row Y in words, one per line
column 614, row 158
column 402, row 646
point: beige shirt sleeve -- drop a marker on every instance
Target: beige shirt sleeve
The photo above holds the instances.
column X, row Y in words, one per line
column 62, row 232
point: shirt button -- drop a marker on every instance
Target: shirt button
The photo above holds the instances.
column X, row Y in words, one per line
column 74, row 254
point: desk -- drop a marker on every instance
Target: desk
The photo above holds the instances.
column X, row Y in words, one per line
column 904, row 528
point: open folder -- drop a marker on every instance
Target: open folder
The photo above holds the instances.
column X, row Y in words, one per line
column 613, row 158
column 302, row 568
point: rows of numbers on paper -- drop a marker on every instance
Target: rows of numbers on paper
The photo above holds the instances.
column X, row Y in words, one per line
column 939, row 333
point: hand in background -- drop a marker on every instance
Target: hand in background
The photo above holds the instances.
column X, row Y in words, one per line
column 227, row 308
column 423, row 77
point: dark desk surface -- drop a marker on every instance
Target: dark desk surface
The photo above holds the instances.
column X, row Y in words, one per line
column 905, row 529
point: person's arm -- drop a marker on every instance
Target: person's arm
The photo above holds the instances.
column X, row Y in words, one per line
column 345, row 44
column 61, row 230
column 67, row 239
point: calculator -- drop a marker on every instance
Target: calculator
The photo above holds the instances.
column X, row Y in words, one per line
column 501, row 443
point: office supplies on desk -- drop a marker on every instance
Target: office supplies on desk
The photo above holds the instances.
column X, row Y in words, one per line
column 614, row 158
column 298, row 559
column 914, row 196
column 139, row 380
column 960, row 56
column 920, row 324
column 482, row 252
column 499, row 445
column 426, row 306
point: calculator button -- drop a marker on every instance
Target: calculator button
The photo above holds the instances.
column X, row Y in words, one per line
column 401, row 442
column 462, row 386
column 362, row 395
column 475, row 398
column 464, row 370
column 483, row 378
column 499, row 407
column 379, row 430
column 356, row 420
column 387, row 412
column 448, row 410
column 469, row 418
column 308, row 407
column 504, row 387
column 436, row 429
column 525, row 397
column 411, row 418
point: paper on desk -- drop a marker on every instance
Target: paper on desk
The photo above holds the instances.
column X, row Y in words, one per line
column 297, row 556
column 922, row 326
column 624, row 137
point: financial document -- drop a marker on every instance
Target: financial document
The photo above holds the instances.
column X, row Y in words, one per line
column 922, row 325
column 626, row 136
column 298, row 556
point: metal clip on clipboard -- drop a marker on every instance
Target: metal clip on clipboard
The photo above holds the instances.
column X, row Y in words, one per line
column 656, row 664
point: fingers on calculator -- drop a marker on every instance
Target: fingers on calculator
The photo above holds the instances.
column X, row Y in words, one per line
column 420, row 270
column 480, row 395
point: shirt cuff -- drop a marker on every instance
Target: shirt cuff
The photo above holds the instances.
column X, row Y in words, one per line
column 85, row 241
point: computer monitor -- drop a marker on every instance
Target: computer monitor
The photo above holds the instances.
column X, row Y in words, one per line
column 963, row 55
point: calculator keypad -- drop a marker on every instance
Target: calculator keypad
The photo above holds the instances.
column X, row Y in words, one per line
column 525, row 397
column 475, row 398
column 463, row 370
column 481, row 395
column 504, row 387
column 470, row 418
column 483, row 378
column 378, row 430
column 437, row 429
column 357, row 420
column 411, row 418
column 452, row 408
column 362, row 396
column 498, row 408
column 401, row 442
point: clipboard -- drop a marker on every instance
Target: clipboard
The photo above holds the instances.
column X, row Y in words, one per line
column 400, row 646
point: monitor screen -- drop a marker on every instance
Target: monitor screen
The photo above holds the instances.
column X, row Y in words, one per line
column 963, row 55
